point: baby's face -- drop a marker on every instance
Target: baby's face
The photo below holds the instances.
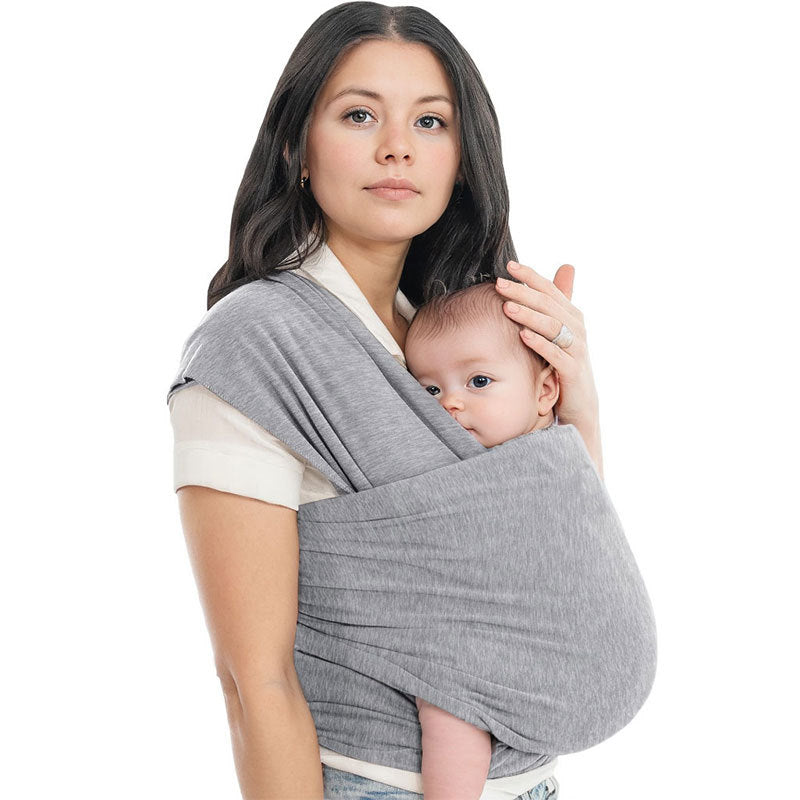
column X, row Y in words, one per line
column 487, row 386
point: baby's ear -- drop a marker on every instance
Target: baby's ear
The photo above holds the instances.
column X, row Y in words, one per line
column 549, row 388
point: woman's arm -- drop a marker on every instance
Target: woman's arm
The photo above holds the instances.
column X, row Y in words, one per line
column 245, row 557
column 544, row 306
column 591, row 437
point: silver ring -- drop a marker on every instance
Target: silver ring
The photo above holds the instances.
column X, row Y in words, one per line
column 564, row 338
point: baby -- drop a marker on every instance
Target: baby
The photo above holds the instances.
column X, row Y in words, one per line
column 467, row 353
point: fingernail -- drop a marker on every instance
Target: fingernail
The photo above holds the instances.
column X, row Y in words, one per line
column 512, row 307
column 513, row 265
column 502, row 282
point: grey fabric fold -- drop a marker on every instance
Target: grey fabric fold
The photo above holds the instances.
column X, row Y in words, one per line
column 495, row 583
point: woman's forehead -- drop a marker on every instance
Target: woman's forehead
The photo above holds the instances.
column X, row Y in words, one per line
column 390, row 71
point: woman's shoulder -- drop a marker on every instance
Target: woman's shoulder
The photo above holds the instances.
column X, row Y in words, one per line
column 261, row 307
column 243, row 300
column 236, row 328
column 280, row 284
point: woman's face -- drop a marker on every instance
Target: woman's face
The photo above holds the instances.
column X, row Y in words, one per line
column 387, row 111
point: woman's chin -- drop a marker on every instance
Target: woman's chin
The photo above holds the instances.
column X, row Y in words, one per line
column 392, row 224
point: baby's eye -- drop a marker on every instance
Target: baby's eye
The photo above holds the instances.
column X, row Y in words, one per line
column 480, row 378
column 432, row 390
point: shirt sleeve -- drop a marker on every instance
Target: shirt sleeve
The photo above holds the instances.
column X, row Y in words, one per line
column 215, row 445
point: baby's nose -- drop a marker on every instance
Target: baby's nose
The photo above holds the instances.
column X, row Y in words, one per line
column 452, row 402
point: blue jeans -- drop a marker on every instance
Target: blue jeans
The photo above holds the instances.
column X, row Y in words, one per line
column 347, row 786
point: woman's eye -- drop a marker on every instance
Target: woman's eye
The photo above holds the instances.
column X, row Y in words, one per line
column 359, row 111
column 442, row 123
column 480, row 378
column 358, row 115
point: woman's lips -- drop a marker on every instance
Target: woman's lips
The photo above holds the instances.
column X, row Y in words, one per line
column 393, row 194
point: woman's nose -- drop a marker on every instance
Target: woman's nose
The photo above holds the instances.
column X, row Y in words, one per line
column 395, row 143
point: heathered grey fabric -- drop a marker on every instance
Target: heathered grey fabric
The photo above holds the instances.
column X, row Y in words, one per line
column 495, row 583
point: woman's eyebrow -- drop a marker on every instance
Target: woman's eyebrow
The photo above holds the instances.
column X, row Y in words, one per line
column 428, row 98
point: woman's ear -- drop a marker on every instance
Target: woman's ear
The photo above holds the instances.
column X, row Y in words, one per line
column 303, row 171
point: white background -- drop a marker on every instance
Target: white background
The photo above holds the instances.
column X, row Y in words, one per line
column 654, row 146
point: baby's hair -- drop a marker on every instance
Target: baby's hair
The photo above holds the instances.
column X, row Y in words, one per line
column 449, row 311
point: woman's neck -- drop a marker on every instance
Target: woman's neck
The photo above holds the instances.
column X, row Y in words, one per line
column 376, row 268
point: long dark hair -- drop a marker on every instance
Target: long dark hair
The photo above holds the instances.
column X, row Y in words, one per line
column 273, row 216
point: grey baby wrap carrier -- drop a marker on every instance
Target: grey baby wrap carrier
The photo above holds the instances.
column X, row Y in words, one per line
column 496, row 583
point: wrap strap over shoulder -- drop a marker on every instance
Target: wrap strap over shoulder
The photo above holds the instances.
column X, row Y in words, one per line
column 496, row 583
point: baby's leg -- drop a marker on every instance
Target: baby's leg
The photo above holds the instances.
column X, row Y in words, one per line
column 455, row 755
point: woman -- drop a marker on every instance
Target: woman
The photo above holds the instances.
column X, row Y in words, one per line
column 377, row 173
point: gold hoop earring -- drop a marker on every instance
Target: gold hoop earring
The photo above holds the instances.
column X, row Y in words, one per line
column 303, row 182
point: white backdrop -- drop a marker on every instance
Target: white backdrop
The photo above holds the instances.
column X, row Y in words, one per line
column 654, row 146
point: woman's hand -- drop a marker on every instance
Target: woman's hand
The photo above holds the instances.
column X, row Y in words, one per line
column 543, row 307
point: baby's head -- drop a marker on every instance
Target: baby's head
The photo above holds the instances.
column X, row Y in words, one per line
column 466, row 352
